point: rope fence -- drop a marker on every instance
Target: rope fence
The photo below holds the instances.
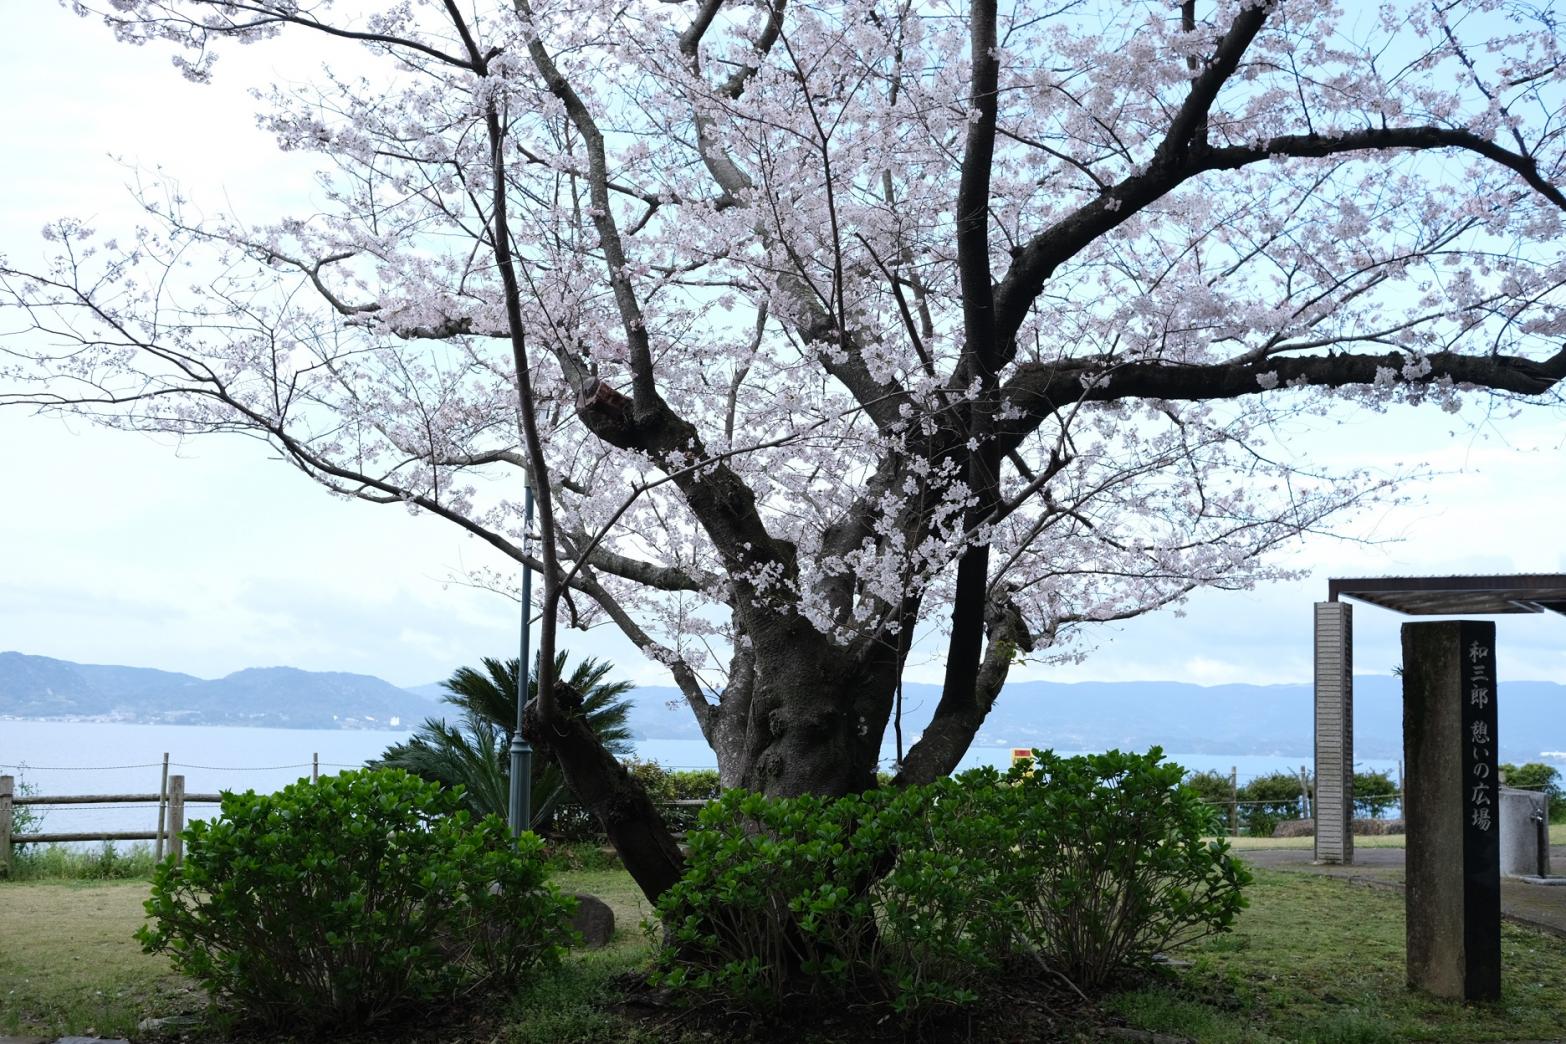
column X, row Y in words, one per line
column 27, row 767
column 1247, row 812
column 170, row 802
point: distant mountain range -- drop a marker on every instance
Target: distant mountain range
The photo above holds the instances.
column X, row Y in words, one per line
column 1191, row 719
column 279, row 697
column 1221, row 719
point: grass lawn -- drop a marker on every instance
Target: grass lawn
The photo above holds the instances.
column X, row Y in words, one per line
column 1319, row 959
column 1242, row 844
column 1246, row 844
column 1312, row 959
column 68, row 963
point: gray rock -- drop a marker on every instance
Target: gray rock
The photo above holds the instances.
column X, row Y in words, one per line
column 594, row 920
column 1295, row 828
column 169, row 1024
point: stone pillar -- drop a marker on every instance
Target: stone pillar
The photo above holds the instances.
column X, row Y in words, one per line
column 1453, row 880
column 1334, row 732
column 1525, row 849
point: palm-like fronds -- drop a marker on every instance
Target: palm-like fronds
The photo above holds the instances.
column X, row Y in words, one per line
column 476, row 752
column 468, row 755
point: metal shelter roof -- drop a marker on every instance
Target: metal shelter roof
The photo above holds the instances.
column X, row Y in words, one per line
column 1457, row 595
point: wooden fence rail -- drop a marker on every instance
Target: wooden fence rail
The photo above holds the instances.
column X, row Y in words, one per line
column 171, row 817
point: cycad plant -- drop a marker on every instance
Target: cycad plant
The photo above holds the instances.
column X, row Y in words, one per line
column 475, row 749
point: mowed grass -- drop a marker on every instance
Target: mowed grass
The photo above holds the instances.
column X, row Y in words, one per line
column 69, row 965
column 1248, row 844
column 1316, row 959
column 1243, row 844
column 1312, row 959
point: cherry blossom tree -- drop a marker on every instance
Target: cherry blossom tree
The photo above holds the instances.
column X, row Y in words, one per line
column 818, row 325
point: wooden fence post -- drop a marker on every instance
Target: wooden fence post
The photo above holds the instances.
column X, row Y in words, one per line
column 163, row 808
column 7, row 786
column 176, row 818
column 1310, row 813
column 315, row 768
column 1234, row 801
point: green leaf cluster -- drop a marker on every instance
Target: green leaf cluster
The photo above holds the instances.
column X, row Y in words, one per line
column 1535, row 775
column 1267, row 800
column 860, row 899
column 1375, row 795
column 472, row 749
column 332, row 905
column 25, row 819
column 1113, row 865
column 909, row 897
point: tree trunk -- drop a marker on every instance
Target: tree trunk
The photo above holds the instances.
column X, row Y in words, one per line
column 809, row 719
column 620, row 803
column 963, row 708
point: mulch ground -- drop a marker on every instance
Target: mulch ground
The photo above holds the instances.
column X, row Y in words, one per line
column 1018, row 1006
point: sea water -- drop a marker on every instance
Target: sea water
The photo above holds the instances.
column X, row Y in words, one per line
column 68, row 758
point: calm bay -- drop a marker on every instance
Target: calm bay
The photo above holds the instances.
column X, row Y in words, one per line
column 86, row 757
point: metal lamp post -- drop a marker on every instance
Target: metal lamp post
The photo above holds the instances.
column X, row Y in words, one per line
column 521, row 809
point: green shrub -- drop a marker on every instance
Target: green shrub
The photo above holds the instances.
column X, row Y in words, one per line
column 574, row 823
column 665, row 784
column 1112, row 868
column 1375, row 794
column 331, row 905
column 25, row 819
column 868, row 898
column 1268, row 800
column 1212, row 787
column 908, row 897
column 1215, row 790
column 1536, row 775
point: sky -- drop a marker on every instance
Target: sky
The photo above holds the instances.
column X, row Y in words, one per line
column 211, row 555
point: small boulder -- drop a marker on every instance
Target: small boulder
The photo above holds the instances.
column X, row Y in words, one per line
column 1376, row 827
column 1295, row 828
column 594, row 919
column 169, row 1024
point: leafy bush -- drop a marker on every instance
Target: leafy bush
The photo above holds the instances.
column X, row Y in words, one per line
column 25, row 819
column 574, row 823
column 1112, row 867
column 675, row 784
column 909, row 897
column 1538, row 776
column 1375, row 794
column 333, row 904
column 473, row 748
column 1267, row 801
column 1214, row 789
column 865, row 898
column 669, row 785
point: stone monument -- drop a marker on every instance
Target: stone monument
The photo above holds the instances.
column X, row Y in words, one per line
column 1452, row 789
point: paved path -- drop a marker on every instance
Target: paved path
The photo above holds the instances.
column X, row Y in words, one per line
column 1543, row 906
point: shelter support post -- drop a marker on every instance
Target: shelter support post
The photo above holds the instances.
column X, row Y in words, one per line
column 1334, row 732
